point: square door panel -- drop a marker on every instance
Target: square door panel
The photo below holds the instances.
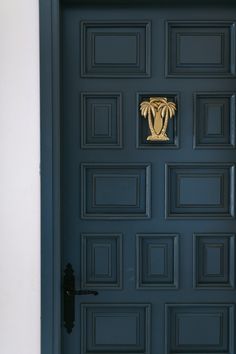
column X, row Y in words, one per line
column 214, row 120
column 200, row 190
column 115, row 48
column 143, row 128
column 101, row 261
column 115, row 328
column 200, row 328
column 157, row 260
column 200, row 48
column 214, row 261
column 101, row 120
column 115, row 191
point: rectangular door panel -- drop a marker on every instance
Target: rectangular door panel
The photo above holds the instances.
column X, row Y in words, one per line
column 116, row 328
column 214, row 260
column 214, row 120
column 200, row 190
column 115, row 49
column 200, row 48
column 101, row 261
column 115, row 191
column 200, row 328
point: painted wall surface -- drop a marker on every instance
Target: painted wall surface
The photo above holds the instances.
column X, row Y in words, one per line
column 19, row 178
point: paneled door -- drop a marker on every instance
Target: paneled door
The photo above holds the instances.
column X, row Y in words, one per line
column 148, row 223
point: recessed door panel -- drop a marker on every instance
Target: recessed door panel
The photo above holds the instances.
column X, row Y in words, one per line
column 200, row 48
column 115, row 49
column 199, row 328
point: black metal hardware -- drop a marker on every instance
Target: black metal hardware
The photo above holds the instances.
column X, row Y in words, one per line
column 69, row 297
column 81, row 292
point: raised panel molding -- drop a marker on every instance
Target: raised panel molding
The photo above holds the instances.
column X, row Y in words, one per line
column 200, row 190
column 200, row 48
column 157, row 260
column 173, row 124
column 115, row 48
column 101, row 261
column 115, row 191
column 199, row 328
column 214, row 120
column 101, row 120
column 115, row 328
column 214, row 260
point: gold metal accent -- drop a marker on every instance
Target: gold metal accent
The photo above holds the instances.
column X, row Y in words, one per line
column 158, row 111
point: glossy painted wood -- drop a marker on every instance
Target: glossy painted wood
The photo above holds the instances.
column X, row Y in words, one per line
column 110, row 250
column 173, row 203
column 50, row 178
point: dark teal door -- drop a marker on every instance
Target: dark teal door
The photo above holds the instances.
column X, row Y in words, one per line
column 148, row 224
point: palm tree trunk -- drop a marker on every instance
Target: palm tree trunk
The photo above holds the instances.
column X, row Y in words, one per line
column 150, row 123
column 158, row 123
column 163, row 131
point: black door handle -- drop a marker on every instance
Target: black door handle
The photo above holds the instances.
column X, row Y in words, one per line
column 71, row 292
column 69, row 297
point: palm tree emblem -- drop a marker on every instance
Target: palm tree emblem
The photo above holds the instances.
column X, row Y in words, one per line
column 158, row 111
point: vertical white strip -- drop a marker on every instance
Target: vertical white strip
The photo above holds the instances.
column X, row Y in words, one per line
column 19, row 178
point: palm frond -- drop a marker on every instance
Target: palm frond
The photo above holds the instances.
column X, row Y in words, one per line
column 167, row 109
column 144, row 108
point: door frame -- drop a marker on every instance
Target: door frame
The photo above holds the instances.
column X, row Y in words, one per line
column 49, row 18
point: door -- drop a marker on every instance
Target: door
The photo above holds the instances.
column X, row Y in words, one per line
column 148, row 224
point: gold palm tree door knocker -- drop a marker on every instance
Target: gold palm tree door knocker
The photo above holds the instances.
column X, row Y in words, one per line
column 158, row 110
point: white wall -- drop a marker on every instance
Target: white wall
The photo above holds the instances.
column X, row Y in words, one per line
column 19, row 178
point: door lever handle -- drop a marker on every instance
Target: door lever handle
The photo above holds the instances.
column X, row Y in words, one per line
column 71, row 292
column 69, row 297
